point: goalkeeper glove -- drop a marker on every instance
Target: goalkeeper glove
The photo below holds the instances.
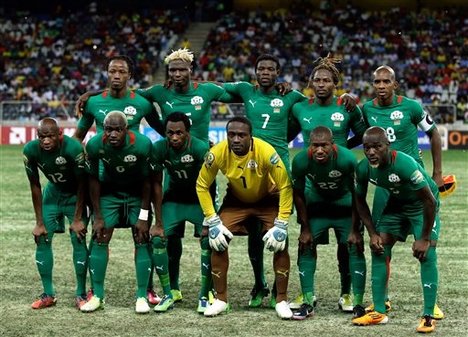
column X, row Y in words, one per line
column 275, row 238
column 217, row 233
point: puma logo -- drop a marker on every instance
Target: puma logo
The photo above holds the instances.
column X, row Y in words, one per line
column 103, row 111
column 374, row 119
column 170, row 104
column 359, row 272
column 217, row 275
column 307, row 119
column 252, row 103
column 282, row 272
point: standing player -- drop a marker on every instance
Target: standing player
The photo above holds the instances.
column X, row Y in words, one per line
column 325, row 202
column 259, row 188
column 400, row 117
column 327, row 110
column 61, row 160
column 120, row 196
column 117, row 97
column 412, row 208
column 269, row 112
column 182, row 156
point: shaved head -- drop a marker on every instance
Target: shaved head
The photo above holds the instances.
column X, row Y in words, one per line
column 48, row 123
column 322, row 132
column 375, row 133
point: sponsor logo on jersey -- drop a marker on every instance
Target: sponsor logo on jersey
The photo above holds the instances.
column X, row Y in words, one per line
column 276, row 104
column 130, row 111
column 307, row 119
column 209, row 159
column 60, row 160
column 274, row 159
column 130, row 158
column 252, row 164
column 197, row 102
column 103, row 111
column 187, row 159
column 337, row 118
column 393, row 178
column 335, row 174
column 396, row 117
column 417, row 177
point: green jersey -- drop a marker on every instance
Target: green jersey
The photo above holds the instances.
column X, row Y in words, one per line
column 309, row 114
column 125, row 167
column 328, row 181
column 400, row 121
column 182, row 167
column 268, row 112
column 402, row 177
column 132, row 105
column 61, row 167
column 195, row 103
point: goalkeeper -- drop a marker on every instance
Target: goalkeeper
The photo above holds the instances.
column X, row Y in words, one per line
column 258, row 187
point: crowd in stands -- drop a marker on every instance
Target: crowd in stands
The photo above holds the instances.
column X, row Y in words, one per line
column 56, row 57
column 427, row 49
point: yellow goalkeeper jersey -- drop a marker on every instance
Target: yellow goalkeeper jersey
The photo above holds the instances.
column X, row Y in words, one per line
column 251, row 177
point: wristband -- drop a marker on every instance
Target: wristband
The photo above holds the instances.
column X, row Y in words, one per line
column 143, row 215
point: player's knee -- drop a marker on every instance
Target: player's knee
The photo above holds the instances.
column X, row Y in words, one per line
column 158, row 243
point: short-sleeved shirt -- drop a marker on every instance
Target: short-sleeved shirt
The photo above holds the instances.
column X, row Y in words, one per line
column 309, row 114
column 182, row 167
column 125, row 168
column 328, row 181
column 402, row 177
column 400, row 121
column 134, row 106
column 251, row 177
column 195, row 103
column 268, row 112
column 61, row 167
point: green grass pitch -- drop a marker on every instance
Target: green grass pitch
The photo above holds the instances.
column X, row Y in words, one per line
column 20, row 282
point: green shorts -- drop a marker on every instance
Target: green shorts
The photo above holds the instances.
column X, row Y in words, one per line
column 56, row 205
column 401, row 224
column 120, row 210
column 174, row 216
column 323, row 215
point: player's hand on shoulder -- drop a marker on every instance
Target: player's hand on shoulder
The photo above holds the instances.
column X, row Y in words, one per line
column 275, row 238
column 350, row 101
column 218, row 234
column 284, row 88
column 80, row 104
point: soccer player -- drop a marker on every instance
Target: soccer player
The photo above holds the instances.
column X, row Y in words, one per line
column 182, row 156
column 121, row 195
column 61, row 160
column 325, row 202
column 412, row 208
column 401, row 117
column 325, row 109
column 259, row 188
column 117, row 97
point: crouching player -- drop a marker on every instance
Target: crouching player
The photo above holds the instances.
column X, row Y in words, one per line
column 61, row 160
column 411, row 209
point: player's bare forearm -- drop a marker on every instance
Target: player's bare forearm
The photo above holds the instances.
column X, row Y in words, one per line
column 95, row 194
column 436, row 152
column 155, row 122
column 364, row 214
column 429, row 211
column 157, row 195
column 145, row 194
column 299, row 202
column 80, row 197
column 36, row 196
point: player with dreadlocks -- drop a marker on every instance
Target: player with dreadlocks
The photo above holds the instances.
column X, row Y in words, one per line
column 325, row 109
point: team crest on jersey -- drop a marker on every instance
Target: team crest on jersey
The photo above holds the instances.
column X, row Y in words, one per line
column 130, row 111
column 417, row 177
column 393, row 178
column 130, row 158
column 197, row 102
column 337, row 118
column 187, row 159
column 209, row 159
column 334, row 174
column 60, row 160
column 396, row 117
column 276, row 104
column 274, row 159
column 252, row 164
